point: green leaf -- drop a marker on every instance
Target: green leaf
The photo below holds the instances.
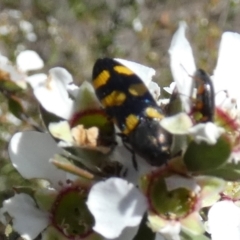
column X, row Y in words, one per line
column 175, row 104
column 25, row 189
column 229, row 172
column 15, row 107
column 202, row 157
column 9, row 86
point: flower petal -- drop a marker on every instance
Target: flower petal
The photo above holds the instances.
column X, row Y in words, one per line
column 52, row 92
column 176, row 181
column 224, row 221
column 171, row 231
column 170, row 88
column 127, row 234
column 36, row 79
column 29, row 60
column 115, row 205
column 210, row 189
column 11, row 72
column 61, row 130
column 52, row 233
column 145, row 73
column 159, row 237
column 207, row 132
column 182, row 64
column 122, row 155
column 227, row 72
column 193, row 223
column 30, row 153
column 177, row 124
column 85, row 98
column 28, row 220
column 155, row 90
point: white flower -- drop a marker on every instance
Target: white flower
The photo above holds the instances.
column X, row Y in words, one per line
column 170, row 88
column 207, row 132
column 58, row 95
column 10, row 72
column 28, row 220
column 182, row 64
column 25, row 61
column 125, row 204
column 224, row 221
column 227, row 73
column 52, row 93
column 226, row 94
column 123, row 207
column 29, row 60
column 30, row 153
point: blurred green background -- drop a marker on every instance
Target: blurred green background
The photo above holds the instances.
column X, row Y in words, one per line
column 73, row 33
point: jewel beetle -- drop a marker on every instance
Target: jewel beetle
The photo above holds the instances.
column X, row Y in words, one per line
column 132, row 108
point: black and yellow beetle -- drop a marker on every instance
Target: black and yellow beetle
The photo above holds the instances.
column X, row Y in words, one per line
column 132, row 108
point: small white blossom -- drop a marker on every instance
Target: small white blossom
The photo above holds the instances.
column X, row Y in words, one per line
column 207, row 132
column 123, row 207
column 226, row 93
column 28, row 220
column 182, row 64
column 224, row 221
column 29, row 60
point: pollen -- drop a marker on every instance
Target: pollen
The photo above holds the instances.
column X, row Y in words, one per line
column 85, row 137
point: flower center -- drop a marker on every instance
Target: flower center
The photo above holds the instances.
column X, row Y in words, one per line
column 231, row 125
column 70, row 214
column 232, row 191
column 224, row 119
column 170, row 204
column 96, row 118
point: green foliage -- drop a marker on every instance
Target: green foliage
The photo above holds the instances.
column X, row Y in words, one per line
column 202, row 157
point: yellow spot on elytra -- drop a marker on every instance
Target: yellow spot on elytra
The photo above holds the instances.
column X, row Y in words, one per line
column 115, row 98
column 131, row 122
column 138, row 89
column 153, row 113
column 123, row 70
column 101, row 79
